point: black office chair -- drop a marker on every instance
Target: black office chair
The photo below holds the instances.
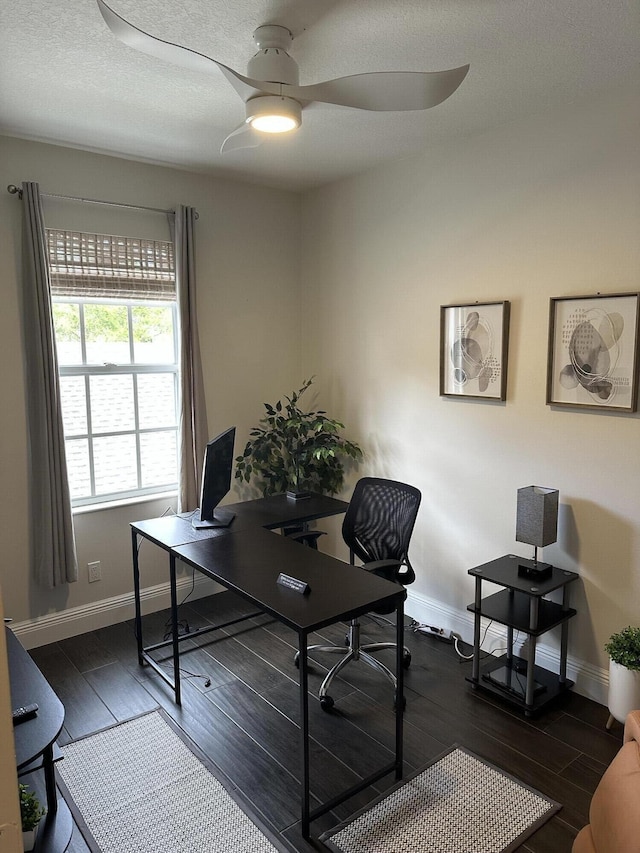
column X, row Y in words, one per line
column 377, row 527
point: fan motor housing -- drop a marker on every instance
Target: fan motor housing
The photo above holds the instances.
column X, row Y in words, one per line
column 272, row 63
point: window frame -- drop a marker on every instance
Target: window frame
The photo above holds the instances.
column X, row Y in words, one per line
column 116, row 270
column 88, row 369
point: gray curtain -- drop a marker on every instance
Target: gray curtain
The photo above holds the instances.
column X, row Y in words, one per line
column 193, row 416
column 53, row 550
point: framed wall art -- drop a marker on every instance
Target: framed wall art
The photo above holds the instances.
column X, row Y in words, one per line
column 593, row 351
column 473, row 350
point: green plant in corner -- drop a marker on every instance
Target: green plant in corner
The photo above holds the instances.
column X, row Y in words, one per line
column 624, row 648
column 292, row 450
column 31, row 812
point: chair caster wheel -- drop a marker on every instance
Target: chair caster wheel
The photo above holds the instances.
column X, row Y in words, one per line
column 326, row 703
column 395, row 703
column 346, row 640
column 406, row 660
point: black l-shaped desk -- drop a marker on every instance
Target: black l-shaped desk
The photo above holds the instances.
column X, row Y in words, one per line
column 247, row 558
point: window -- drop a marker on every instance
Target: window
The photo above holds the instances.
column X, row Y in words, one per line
column 115, row 319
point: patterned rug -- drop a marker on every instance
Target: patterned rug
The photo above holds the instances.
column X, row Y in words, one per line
column 140, row 787
column 459, row 804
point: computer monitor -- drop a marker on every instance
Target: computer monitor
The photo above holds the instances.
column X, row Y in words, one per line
column 216, row 482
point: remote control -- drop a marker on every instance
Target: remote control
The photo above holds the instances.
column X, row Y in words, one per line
column 24, row 713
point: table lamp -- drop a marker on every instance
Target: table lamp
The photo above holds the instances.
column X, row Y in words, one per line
column 537, row 525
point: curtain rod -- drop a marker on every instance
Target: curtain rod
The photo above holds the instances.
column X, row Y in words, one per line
column 14, row 190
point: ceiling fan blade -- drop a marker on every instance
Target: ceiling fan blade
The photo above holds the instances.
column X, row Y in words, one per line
column 244, row 136
column 384, row 90
column 178, row 55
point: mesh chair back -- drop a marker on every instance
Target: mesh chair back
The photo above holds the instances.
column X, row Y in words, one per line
column 379, row 522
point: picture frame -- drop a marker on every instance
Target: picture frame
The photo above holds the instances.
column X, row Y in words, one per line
column 592, row 360
column 474, row 340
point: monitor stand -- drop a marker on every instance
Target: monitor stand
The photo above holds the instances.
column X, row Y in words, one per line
column 221, row 518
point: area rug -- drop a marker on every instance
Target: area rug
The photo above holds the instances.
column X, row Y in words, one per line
column 140, row 787
column 459, row 804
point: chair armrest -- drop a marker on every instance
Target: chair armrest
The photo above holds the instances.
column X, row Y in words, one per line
column 387, row 569
column 306, row 537
column 392, row 570
column 374, row 565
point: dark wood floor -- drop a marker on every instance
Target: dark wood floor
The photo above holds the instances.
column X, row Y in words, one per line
column 245, row 721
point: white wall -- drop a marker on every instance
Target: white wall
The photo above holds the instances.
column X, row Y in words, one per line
column 546, row 208
column 248, row 305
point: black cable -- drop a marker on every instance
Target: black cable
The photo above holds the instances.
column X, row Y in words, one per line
column 183, row 629
column 185, row 673
column 193, row 586
column 183, row 625
column 467, row 658
column 168, row 511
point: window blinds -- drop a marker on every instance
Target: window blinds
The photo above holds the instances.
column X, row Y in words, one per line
column 98, row 266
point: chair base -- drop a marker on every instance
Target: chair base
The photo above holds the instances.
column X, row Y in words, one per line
column 354, row 650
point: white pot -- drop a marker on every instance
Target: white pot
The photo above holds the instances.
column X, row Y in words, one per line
column 28, row 840
column 624, row 691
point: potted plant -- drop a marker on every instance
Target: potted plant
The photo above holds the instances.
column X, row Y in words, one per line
column 31, row 813
column 295, row 451
column 623, row 649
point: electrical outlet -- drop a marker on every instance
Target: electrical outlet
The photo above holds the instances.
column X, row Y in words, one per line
column 95, row 571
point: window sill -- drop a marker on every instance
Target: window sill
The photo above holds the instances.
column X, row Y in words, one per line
column 140, row 499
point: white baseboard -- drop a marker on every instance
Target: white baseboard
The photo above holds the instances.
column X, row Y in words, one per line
column 591, row 681
column 109, row 611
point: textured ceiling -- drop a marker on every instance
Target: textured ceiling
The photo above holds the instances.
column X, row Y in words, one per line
column 66, row 79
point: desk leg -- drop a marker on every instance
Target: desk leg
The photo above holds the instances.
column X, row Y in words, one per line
column 174, row 629
column 304, row 733
column 136, row 594
column 400, row 685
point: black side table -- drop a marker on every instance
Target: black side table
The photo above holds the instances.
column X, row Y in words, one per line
column 36, row 749
column 522, row 606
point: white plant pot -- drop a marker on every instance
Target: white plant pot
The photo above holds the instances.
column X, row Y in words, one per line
column 28, row 840
column 624, row 691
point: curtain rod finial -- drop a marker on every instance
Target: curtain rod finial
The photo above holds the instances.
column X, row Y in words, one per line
column 14, row 190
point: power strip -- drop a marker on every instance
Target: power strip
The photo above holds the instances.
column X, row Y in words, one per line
column 433, row 631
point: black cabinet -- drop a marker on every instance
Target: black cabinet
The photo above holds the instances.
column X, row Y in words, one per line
column 35, row 742
column 521, row 606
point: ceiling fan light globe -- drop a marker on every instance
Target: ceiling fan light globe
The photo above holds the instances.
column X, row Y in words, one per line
column 273, row 114
column 273, row 124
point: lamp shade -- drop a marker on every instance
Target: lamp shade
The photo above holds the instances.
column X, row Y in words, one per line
column 537, row 516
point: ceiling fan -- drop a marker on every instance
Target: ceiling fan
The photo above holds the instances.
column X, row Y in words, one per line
column 273, row 98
